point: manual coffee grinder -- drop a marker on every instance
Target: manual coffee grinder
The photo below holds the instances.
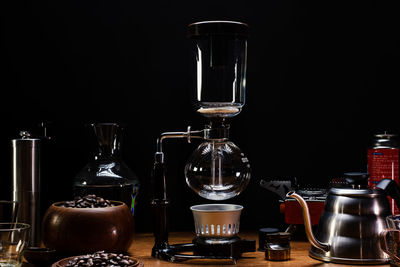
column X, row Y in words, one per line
column 217, row 169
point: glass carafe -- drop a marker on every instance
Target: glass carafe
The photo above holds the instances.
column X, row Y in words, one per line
column 106, row 175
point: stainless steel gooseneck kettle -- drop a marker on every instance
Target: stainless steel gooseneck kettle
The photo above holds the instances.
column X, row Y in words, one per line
column 353, row 218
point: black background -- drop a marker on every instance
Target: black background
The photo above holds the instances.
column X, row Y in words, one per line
column 322, row 79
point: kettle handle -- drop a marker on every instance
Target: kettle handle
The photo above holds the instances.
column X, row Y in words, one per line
column 391, row 188
column 384, row 244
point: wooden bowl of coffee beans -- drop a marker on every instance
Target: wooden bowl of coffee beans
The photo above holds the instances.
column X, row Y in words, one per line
column 99, row 259
column 86, row 225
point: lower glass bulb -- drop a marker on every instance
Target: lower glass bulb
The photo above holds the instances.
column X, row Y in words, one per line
column 217, row 170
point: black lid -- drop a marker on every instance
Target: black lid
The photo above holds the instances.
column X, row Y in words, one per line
column 262, row 235
column 268, row 230
column 218, row 27
column 356, row 178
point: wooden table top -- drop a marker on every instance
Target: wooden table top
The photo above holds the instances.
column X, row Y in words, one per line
column 143, row 243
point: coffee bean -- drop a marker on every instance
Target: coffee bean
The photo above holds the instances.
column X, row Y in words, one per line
column 89, row 201
column 124, row 262
column 101, row 259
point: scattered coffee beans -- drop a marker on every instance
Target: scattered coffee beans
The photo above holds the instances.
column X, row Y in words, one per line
column 89, row 201
column 101, row 259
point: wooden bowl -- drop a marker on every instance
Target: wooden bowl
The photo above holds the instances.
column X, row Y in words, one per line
column 63, row 262
column 87, row 230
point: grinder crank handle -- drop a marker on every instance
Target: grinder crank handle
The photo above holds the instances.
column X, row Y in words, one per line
column 391, row 188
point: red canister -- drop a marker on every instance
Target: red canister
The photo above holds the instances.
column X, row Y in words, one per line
column 383, row 161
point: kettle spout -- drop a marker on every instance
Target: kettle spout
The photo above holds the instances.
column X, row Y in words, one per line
column 307, row 222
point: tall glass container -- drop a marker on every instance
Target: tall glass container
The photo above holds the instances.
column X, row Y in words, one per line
column 221, row 54
column 106, row 175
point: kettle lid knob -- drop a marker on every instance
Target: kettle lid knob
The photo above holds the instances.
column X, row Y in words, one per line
column 355, row 180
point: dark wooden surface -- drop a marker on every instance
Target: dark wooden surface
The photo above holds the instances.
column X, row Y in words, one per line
column 143, row 243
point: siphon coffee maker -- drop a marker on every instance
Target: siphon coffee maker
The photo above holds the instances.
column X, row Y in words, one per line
column 217, row 169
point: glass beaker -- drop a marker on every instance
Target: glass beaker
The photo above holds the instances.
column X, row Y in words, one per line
column 217, row 169
column 14, row 238
column 221, row 54
column 106, row 175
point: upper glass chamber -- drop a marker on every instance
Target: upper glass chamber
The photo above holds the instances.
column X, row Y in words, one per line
column 220, row 52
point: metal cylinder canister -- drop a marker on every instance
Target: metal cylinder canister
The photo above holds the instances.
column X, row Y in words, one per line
column 26, row 182
column 383, row 162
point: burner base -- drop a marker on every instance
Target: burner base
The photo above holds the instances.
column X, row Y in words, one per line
column 207, row 248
